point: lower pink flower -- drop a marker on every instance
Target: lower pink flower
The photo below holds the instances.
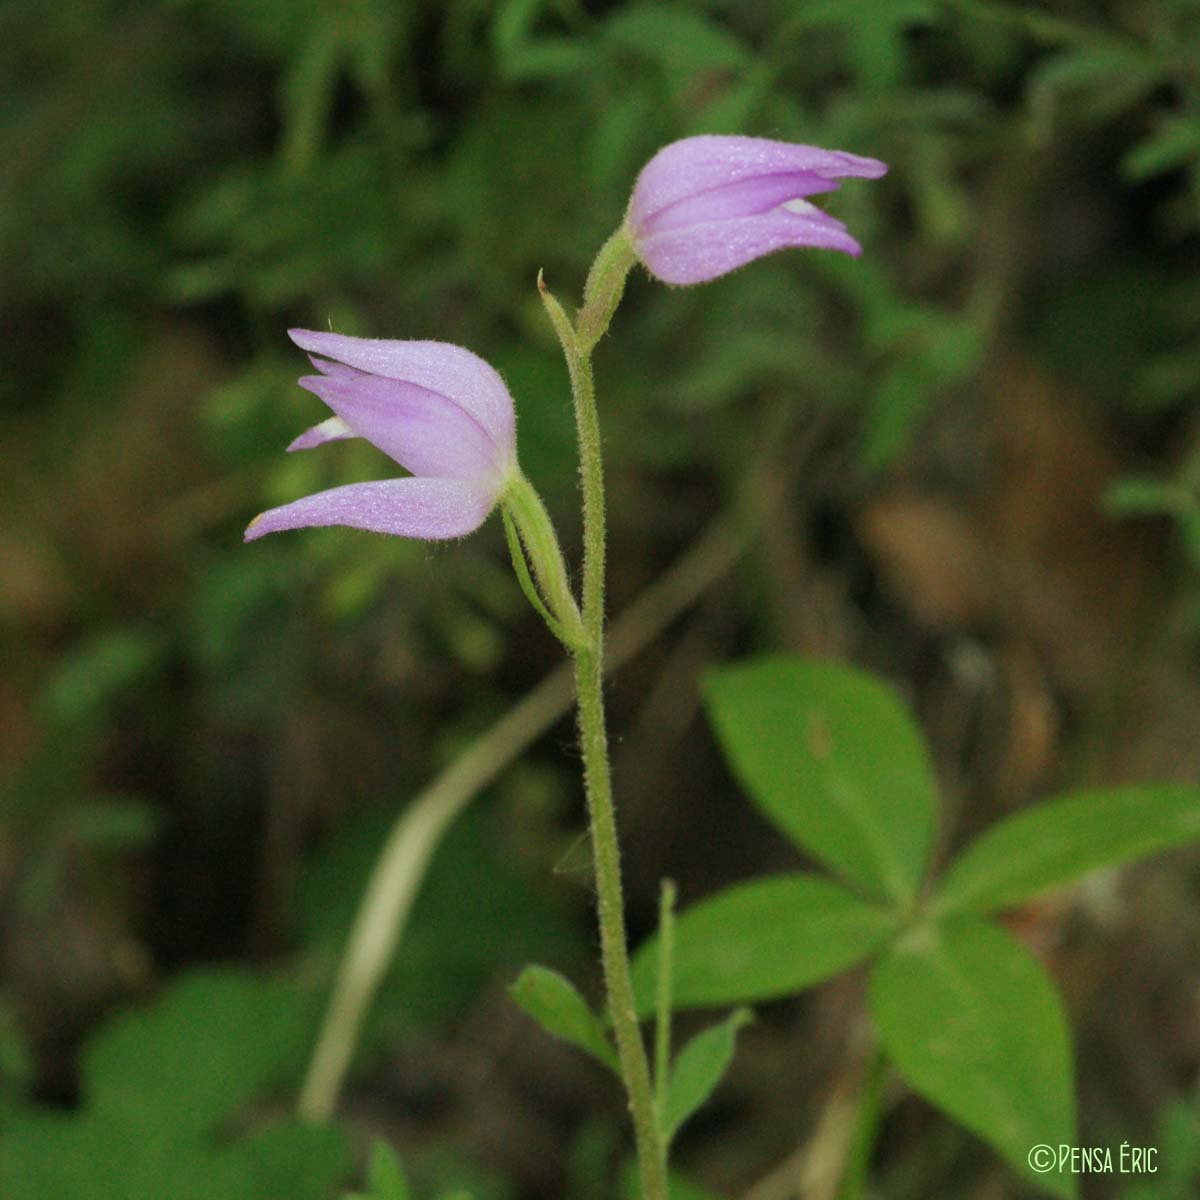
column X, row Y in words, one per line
column 438, row 410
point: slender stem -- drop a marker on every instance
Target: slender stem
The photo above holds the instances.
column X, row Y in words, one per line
column 606, row 857
column 857, row 1169
column 662, row 1013
column 606, row 854
column 591, row 468
column 400, row 869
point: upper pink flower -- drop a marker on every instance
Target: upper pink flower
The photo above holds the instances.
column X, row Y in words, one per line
column 707, row 205
column 440, row 411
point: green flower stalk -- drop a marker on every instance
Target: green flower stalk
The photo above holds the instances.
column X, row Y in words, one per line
column 700, row 208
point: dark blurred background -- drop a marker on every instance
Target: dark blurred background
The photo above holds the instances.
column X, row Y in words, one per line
column 985, row 432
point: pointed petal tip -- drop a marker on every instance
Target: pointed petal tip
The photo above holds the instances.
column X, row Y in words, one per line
column 429, row 509
column 333, row 429
column 313, row 383
column 314, row 341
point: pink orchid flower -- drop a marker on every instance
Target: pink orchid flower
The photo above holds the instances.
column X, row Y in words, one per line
column 438, row 410
column 707, row 205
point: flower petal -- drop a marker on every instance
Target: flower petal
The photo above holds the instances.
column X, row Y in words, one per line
column 702, row 252
column 745, row 198
column 421, row 429
column 454, row 372
column 332, row 430
column 699, row 164
column 432, row 509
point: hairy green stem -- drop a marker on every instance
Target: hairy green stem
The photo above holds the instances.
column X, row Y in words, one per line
column 606, row 856
column 402, row 863
column 589, row 670
column 400, row 869
column 662, row 1007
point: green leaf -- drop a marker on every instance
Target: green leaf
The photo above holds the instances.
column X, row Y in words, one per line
column 754, row 941
column 385, row 1176
column 1175, row 143
column 210, row 1044
column 521, row 54
column 896, row 408
column 113, row 825
column 973, row 1024
column 160, row 1086
column 299, row 1160
column 552, row 1001
column 829, row 754
column 874, row 30
column 699, row 1068
column 1139, row 496
column 1102, row 78
column 109, row 665
column 678, row 39
column 1057, row 842
column 16, row 1056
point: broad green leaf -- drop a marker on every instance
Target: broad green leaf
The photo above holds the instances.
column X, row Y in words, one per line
column 299, row 1160
column 213, row 1042
column 385, row 1176
column 92, row 1158
column 699, row 1068
column 973, row 1024
column 754, row 941
column 1056, row 842
column 559, row 1009
column 831, row 756
column 162, row 1087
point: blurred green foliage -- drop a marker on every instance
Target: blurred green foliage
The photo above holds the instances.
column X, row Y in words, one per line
column 158, row 1083
column 833, row 760
column 202, row 743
